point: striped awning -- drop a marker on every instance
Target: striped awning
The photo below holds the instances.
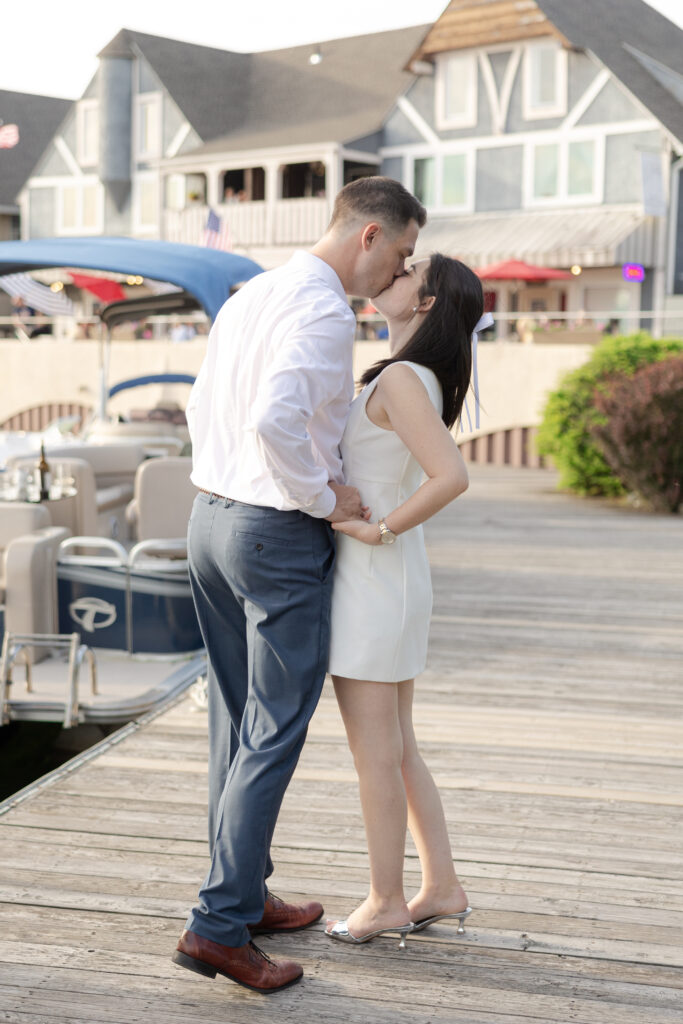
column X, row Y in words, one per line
column 35, row 295
column 598, row 237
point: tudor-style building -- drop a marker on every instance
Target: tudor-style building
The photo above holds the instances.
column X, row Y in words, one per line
column 167, row 130
column 550, row 132
column 534, row 129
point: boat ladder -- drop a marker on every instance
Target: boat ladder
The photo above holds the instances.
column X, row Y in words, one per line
column 16, row 643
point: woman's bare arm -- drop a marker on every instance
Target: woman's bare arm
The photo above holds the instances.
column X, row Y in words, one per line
column 400, row 402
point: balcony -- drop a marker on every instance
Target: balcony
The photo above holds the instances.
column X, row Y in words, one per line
column 285, row 222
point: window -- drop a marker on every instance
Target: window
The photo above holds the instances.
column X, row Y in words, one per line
column 298, row 181
column 454, row 184
column 70, row 208
column 248, row 184
column 148, row 126
column 545, row 81
column 581, row 169
column 80, row 208
column 175, row 192
column 147, row 202
column 565, row 171
column 444, row 182
column 546, row 171
column 89, row 206
column 87, row 132
column 456, row 92
column 424, row 182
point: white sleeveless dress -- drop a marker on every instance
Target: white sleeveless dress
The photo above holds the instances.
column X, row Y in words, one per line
column 382, row 596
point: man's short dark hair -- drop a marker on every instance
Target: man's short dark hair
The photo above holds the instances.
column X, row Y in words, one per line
column 378, row 198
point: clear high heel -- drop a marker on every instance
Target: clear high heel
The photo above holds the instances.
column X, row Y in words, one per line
column 461, row 915
column 340, row 930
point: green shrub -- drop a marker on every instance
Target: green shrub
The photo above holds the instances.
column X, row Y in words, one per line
column 642, row 436
column 570, row 415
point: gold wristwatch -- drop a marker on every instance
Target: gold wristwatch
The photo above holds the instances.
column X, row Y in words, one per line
column 386, row 535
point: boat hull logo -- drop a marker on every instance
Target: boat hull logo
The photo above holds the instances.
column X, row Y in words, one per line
column 92, row 613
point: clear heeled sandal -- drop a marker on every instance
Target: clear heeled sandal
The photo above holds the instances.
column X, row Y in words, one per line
column 340, row 930
column 460, row 915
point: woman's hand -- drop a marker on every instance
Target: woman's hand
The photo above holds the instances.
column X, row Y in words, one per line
column 368, row 533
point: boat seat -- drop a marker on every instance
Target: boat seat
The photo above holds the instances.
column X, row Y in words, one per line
column 163, row 498
column 28, row 567
column 113, row 464
column 159, row 436
column 18, row 518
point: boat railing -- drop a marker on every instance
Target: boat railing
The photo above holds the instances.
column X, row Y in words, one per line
column 15, row 644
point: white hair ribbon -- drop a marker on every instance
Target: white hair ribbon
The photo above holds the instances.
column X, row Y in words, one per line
column 482, row 323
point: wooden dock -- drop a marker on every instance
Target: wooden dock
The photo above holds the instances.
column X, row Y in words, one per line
column 551, row 716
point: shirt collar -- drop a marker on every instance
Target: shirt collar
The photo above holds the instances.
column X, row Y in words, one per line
column 314, row 265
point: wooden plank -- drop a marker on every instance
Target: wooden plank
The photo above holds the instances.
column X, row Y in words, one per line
column 550, row 715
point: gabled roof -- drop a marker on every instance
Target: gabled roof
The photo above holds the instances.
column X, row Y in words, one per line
column 38, row 118
column 471, row 23
column 611, row 29
column 277, row 97
column 210, row 86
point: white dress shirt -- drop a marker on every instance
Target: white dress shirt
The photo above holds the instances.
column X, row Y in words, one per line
column 268, row 408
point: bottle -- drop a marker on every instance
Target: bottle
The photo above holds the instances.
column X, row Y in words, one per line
column 43, row 469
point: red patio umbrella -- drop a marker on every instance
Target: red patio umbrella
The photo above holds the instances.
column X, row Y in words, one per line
column 517, row 270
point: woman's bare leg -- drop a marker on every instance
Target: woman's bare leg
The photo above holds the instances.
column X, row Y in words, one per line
column 440, row 892
column 370, row 714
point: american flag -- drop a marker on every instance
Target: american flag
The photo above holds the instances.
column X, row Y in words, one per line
column 9, row 136
column 216, row 235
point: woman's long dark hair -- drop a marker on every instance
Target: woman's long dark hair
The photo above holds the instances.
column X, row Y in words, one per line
column 443, row 341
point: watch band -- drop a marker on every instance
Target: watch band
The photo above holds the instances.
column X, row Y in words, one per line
column 386, row 535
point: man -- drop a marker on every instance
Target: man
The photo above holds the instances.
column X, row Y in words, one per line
column 266, row 415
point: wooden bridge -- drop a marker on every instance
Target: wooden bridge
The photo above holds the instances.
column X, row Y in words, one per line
column 551, row 716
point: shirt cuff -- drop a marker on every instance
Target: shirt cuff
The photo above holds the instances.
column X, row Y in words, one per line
column 322, row 506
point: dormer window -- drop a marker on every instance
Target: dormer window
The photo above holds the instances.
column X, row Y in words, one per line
column 456, row 91
column 545, row 81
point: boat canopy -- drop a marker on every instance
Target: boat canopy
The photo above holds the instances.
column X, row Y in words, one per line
column 208, row 274
column 151, row 378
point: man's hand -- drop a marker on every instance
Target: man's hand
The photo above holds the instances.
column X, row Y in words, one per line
column 348, row 504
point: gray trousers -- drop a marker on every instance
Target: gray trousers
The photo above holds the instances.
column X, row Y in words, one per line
column 262, row 582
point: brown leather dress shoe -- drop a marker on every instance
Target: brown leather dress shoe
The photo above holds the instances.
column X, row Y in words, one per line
column 279, row 916
column 247, row 965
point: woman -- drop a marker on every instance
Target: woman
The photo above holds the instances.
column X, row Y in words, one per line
column 398, row 431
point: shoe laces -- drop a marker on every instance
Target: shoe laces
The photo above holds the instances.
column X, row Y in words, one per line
column 260, row 954
column 274, row 900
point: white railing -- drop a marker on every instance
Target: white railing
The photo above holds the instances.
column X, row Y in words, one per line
column 554, row 326
column 285, row 222
column 299, row 221
column 575, row 328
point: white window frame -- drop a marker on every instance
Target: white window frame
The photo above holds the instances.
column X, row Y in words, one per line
column 85, row 158
column 141, row 227
column 87, row 181
column 469, row 118
column 147, row 99
column 562, row 141
column 419, row 153
column 559, row 109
